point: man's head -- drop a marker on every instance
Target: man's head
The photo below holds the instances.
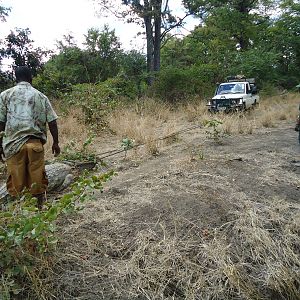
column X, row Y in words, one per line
column 23, row 74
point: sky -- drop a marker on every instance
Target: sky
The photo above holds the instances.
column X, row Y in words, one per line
column 49, row 20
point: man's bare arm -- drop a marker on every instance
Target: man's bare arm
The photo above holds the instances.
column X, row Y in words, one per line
column 54, row 132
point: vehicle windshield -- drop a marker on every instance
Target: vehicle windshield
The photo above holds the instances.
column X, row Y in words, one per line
column 231, row 88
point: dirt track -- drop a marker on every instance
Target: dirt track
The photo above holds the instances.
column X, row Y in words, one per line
column 194, row 179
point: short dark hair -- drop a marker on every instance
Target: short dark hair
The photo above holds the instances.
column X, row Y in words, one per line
column 23, row 73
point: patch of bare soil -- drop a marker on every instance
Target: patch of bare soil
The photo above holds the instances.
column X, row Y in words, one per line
column 170, row 227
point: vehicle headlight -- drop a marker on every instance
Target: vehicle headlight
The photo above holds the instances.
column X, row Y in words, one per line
column 241, row 101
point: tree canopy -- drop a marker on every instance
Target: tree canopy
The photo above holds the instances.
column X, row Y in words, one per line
column 258, row 38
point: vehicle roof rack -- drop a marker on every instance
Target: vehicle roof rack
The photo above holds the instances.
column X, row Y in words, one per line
column 240, row 78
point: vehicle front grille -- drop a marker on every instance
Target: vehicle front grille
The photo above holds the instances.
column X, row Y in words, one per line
column 224, row 102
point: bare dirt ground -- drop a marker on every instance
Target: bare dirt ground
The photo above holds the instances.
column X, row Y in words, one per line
column 190, row 188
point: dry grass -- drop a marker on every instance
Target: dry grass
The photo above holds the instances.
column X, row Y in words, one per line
column 255, row 255
column 71, row 128
column 194, row 110
column 278, row 108
column 149, row 119
column 268, row 119
column 144, row 123
column 268, row 114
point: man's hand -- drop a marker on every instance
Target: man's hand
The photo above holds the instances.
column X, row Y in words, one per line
column 55, row 149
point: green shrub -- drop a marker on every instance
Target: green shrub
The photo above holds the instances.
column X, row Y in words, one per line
column 27, row 235
column 175, row 83
column 268, row 89
column 71, row 152
column 96, row 100
column 51, row 83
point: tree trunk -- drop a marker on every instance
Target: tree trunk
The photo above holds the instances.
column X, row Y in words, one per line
column 149, row 39
column 244, row 7
column 157, row 35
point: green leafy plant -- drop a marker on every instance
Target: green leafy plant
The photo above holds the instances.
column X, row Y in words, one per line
column 27, row 235
column 197, row 154
column 72, row 152
column 97, row 100
column 214, row 132
column 127, row 144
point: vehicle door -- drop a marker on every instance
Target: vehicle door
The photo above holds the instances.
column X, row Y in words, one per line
column 249, row 96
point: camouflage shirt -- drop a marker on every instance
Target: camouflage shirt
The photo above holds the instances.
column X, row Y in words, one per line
column 26, row 112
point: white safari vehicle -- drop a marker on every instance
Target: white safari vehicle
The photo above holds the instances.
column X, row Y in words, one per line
column 237, row 94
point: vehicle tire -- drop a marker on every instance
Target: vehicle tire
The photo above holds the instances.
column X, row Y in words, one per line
column 254, row 104
column 244, row 108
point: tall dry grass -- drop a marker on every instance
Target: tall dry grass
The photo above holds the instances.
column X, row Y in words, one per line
column 270, row 112
column 149, row 119
column 278, row 108
column 71, row 128
column 145, row 123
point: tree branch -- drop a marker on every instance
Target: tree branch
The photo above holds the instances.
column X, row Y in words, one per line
column 166, row 7
column 168, row 38
column 177, row 24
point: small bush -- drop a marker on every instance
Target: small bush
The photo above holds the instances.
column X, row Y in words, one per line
column 51, row 83
column 72, row 152
column 27, row 235
column 96, row 100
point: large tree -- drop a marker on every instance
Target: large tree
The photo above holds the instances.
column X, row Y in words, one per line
column 73, row 65
column 104, row 52
column 240, row 19
column 19, row 47
column 156, row 19
column 284, row 38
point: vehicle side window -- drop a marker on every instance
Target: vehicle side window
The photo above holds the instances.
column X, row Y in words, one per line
column 248, row 90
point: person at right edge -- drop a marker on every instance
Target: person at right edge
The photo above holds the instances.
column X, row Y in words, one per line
column 24, row 114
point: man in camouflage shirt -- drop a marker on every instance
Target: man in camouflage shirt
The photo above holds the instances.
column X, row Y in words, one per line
column 24, row 114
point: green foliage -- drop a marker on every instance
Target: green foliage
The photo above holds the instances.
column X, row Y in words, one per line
column 71, row 152
column 52, row 83
column 257, row 63
column 103, row 52
column 96, row 100
column 19, row 47
column 72, row 65
column 62, row 71
column 27, row 235
column 234, row 37
column 133, row 67
column 175, row 83
column 214, row 132
column 127, row 144
column 238, row 37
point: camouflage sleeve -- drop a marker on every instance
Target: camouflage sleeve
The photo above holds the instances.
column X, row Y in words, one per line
column 50, row 113
column 3, row 109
